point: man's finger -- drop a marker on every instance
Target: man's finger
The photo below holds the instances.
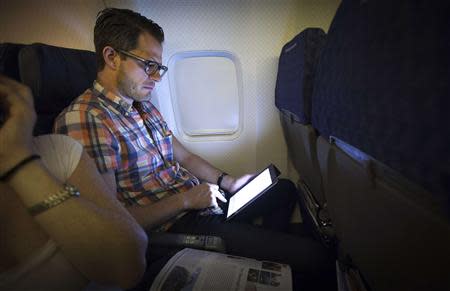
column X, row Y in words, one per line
column 11, row 95
column 10, row 87
column 214, row 204
column 10, row 82
column 6, row 90
column 221, row 197
column 213, row 186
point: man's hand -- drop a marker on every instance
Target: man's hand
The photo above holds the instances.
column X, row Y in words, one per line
column 16, row 101
column 202, row 196
column 235, row 183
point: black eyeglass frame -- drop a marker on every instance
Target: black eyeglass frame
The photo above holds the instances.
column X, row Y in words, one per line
column 148, row 64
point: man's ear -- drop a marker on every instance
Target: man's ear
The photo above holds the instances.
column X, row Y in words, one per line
column 110, row 56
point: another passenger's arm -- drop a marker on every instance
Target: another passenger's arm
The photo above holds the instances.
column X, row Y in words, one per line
column 94, row 232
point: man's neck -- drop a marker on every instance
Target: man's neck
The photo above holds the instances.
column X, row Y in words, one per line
column 111, row 85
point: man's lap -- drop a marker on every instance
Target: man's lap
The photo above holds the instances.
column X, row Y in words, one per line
column 306, row 256
column 303, row 253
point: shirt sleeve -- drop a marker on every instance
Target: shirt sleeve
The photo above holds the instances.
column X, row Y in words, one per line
column 97, row 139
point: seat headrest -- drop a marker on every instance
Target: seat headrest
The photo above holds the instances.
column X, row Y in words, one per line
column 8, row 60
column 56, row 76
column 294, row 85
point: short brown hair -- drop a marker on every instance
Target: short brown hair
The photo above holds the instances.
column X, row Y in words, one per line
column 120, row 29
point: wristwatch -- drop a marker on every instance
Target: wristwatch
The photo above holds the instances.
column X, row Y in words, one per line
column 219, row 180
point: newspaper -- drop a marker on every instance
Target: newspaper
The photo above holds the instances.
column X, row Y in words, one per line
column 195, row 270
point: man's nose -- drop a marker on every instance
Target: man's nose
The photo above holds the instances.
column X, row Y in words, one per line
column 155, row 76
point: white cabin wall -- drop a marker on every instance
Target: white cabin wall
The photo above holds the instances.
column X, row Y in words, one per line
column 254, row 30
column 67, row 23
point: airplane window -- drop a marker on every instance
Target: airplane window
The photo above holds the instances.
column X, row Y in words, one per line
column 205, row 93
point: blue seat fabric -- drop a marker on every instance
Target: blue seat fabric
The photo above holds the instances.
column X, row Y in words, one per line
column 296, row 73
column 382, row 85
column 56, row 76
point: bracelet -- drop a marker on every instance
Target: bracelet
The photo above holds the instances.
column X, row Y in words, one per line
column 19, row 165
column 67, row 192
column 219, row 180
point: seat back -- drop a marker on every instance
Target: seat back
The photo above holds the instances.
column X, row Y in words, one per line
column 293, row 98
column 380, row 103
column 382, row 86
column 295, row 75
column 389, row 228
column 56, row 76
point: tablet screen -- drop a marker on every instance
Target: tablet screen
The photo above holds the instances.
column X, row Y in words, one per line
column 249, row 191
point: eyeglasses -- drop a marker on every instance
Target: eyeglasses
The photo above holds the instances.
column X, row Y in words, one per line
column 150, row 67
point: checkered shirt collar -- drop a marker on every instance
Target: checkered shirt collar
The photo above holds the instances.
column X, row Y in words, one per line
column 116, row 100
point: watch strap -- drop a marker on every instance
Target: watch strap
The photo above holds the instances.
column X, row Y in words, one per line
column 219, row 180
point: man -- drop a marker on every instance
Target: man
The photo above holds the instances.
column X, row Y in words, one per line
column 120, row 128
column 154, row 175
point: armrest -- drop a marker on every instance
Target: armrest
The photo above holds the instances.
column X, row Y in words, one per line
column 204, row 242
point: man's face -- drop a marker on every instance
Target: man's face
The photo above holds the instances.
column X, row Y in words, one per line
column 132, row 80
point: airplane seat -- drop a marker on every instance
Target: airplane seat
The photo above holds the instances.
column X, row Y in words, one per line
column 293, row 99
column 380, row 103
column 9, row 60
column 56, row 76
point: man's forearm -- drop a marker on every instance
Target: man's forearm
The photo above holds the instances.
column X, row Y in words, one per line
column 195, row 164
column 155, row 214
column 207, row 172
column 202, row 169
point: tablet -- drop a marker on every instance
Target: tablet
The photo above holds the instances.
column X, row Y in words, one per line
column 253, row 189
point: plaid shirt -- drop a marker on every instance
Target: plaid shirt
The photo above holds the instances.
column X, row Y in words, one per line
column 119, row 139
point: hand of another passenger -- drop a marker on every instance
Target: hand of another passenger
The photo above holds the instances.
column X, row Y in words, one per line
column 16, row 103
column 202, row 196
column 236, row 183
